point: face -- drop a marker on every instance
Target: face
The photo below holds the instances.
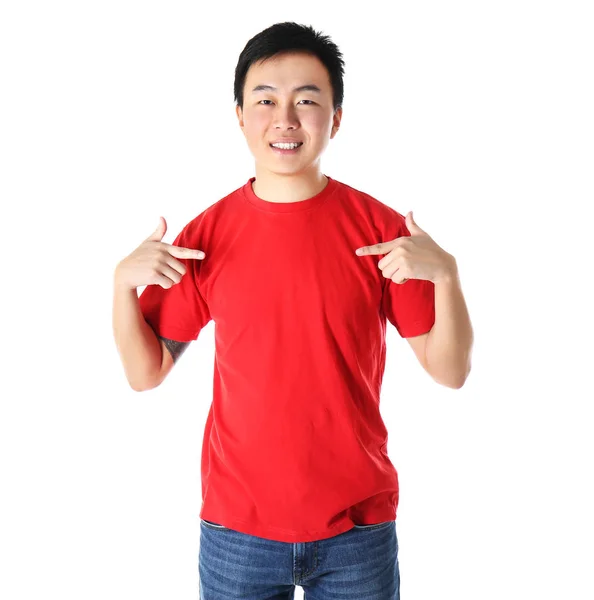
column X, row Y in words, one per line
column 305, row 115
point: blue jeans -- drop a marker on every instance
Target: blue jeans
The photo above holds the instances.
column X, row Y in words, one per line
column 361, row 564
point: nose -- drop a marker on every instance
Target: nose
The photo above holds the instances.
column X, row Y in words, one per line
column 285, row 117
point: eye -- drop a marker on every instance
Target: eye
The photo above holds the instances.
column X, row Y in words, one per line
column 310, row 101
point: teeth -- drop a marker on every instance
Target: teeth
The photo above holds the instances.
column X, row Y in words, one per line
column 285, row 146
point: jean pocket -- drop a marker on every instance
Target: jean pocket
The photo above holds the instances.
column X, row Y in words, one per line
column 373, row 526
column 212, row 525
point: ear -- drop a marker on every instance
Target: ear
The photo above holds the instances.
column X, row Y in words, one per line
column 336, row 122
column 239, row 114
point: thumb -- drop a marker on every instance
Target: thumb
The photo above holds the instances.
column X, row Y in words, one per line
column 158, row 234
column 412, row 225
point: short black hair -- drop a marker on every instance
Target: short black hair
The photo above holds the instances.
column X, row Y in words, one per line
column 288, row 37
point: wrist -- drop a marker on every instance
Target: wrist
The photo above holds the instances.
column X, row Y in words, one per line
column 450, row 271
column 119, row 285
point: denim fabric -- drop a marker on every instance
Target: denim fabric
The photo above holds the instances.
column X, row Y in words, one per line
column 359, row 564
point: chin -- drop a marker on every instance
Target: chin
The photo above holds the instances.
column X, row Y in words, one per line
column 283, row 169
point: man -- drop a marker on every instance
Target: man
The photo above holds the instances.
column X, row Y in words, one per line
column 297, row 487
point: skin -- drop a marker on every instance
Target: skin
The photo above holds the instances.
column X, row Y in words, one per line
column 310, row 117
column 267, row 115
column 305, row 115
column 445, row 351
column 417, row 256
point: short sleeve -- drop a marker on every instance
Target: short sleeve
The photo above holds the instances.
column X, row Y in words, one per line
column 180, row 312
column 409, row 306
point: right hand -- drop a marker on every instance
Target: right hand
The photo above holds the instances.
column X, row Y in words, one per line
column 154, row 262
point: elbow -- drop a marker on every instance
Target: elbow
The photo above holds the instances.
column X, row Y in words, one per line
column 142, row 379
column 461, row 380
column 453, row 385
column 452, row 381
column 456, row 386
column 143, row 385
column 138, row 388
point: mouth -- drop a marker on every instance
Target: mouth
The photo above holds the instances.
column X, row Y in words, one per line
column 283, row 151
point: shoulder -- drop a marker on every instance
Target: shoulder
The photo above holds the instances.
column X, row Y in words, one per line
column 382, row 215
column 202, row 224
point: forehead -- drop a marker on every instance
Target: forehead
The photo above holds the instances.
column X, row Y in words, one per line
column 286, row 71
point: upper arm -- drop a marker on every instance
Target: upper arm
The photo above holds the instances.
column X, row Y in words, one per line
column 178, row 312
column 171, row 351
column 419, row 345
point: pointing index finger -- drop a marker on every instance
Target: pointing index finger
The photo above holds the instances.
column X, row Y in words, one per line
column 181, row 252
column 381, row 248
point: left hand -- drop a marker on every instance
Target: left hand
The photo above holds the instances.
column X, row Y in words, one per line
column 412, row 257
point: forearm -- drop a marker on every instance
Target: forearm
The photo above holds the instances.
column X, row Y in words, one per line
column 449, row 344
column 137, row 344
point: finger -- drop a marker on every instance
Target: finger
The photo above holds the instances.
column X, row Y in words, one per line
column 164, row 282
column 160, row 279
column 389, row 270
column 176, row 264
column 158, row 234
column 181, row 252
column 397, row 276
column 384, row 262
column 381, row 248
column 171, row 273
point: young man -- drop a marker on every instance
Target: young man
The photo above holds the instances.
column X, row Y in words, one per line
column 297, row 487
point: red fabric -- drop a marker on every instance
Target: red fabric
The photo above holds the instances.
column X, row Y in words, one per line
column 294, row 447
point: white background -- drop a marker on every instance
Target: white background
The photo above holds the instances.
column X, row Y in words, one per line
column 476, row 115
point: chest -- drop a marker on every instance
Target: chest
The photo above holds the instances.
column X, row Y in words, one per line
column 274, row 275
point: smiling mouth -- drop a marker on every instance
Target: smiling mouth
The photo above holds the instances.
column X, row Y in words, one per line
column 285, row 151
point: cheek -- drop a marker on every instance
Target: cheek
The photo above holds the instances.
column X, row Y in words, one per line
column 318, row 125
column 254, row 121
column 255, row 131
column 317, row 121
column 257, row 122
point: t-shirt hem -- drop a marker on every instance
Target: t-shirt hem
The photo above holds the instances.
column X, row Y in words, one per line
column 284, row 535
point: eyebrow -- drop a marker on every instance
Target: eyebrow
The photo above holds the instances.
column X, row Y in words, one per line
column 310, row 87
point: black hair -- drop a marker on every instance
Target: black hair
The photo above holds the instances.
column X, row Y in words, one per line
column 289, row 37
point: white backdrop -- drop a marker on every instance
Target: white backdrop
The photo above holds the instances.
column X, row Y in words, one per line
column 477, row 116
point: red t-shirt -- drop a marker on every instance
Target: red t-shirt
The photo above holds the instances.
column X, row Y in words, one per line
column 294, row 446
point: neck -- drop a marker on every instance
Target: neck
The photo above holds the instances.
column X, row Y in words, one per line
column 292, row 187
